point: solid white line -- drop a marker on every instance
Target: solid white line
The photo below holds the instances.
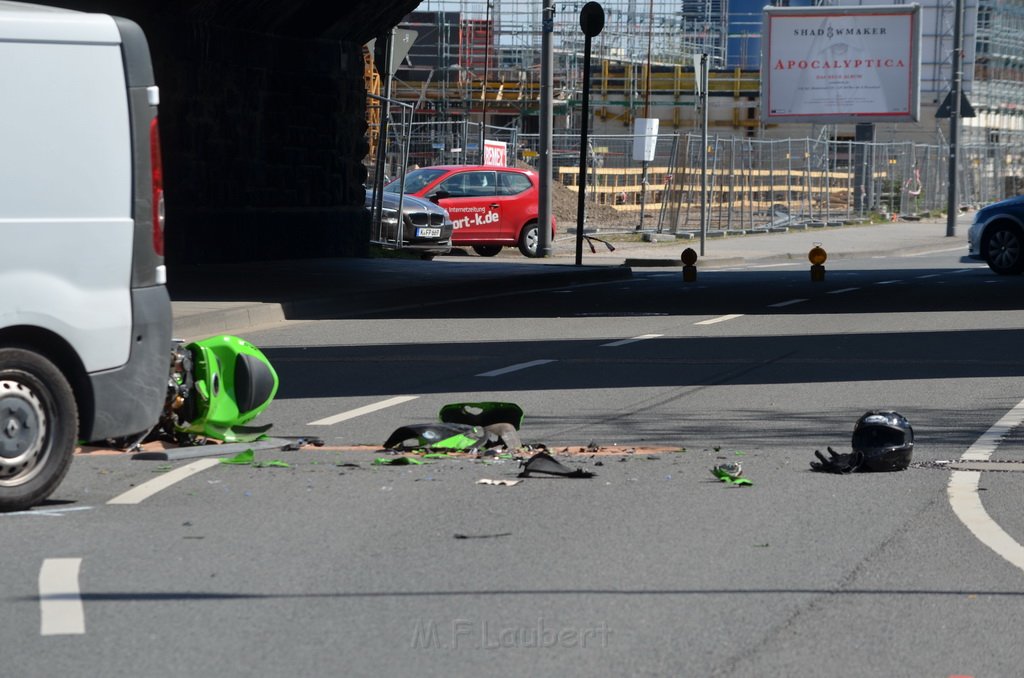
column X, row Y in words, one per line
column 844, row 290
column 148, row 489
column 964, row 497
column 360, row 411
column 623, row 342
column 514, row 368
column 60, row 603
column 719, row 319
column 786, row 303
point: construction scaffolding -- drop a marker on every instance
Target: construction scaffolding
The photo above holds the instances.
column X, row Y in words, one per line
column 473, row 72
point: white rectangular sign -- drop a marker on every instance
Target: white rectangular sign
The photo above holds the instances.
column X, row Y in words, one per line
column 645, row 139
column 495, row 153
column 841, row 64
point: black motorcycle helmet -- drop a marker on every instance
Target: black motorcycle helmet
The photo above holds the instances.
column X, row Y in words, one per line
column 884, row 439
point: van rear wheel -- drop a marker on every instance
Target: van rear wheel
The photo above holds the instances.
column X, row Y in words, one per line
column 38, row 428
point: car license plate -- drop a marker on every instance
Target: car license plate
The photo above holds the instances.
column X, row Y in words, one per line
column 428, row 232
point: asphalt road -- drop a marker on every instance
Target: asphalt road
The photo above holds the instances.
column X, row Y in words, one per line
column 334, row 566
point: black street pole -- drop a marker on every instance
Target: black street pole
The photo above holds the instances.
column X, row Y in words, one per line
column 591, row 21
column 953, row 202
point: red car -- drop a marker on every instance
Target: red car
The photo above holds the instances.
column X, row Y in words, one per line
column 490, row 207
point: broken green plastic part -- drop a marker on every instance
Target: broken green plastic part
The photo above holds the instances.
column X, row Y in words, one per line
column 248, row 458
column 726, row 478
column 456, row 442
column 272, row 463
column 241, row 459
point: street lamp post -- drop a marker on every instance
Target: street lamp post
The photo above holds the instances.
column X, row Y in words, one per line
column 591, row 21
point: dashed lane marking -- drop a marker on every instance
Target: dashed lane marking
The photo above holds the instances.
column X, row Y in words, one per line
column 60, row 603
column 514, row 368
column 146, row 490
column 719, row 319
column 843, row 290
column 623, row 342
column 930, row 252
column 360, row 411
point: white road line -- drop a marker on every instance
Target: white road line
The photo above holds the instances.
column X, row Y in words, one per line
column 360, row 411
column 843, row 290
column 925, row 254
column 786, row 303
column 60, row 603
column 148, row 489
column 514, row 368
column 54, row 512
column 887, row 282
column 623, row 342
column 719, row 319
column 774, row 265
column 964, row 497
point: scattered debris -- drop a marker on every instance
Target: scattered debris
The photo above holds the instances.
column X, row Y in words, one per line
column 244, row 458
column 434, row 437
column 730, row 473
column 272, row 463
column 302, row 441
column 248, row 458
column 506, row 483
column 397, row 461
column 482, row 536
column 542, row 462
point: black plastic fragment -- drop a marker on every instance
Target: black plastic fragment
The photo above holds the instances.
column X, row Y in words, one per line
column 542, row 462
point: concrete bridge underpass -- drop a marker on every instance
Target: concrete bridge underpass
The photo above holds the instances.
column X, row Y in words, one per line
column 263, row 121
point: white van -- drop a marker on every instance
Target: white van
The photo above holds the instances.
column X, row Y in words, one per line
column 85, row 319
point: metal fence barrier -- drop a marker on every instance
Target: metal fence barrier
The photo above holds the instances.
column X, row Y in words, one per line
column 751, row 184
column 764, row 184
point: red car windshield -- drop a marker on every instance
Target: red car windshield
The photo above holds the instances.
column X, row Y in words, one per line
column 415, row 181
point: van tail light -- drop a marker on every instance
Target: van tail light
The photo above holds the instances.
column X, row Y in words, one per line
column 158, row 187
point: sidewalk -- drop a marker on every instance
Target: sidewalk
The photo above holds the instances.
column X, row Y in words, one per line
column 232, row 298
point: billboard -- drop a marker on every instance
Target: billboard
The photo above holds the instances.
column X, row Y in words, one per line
column 841, row 64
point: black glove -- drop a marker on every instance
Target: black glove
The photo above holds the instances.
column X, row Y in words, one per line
column 837, row 463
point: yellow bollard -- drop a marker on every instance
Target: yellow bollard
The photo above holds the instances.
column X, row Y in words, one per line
column 817, row 257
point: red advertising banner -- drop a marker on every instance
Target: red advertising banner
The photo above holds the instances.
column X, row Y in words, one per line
column 495, row 153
